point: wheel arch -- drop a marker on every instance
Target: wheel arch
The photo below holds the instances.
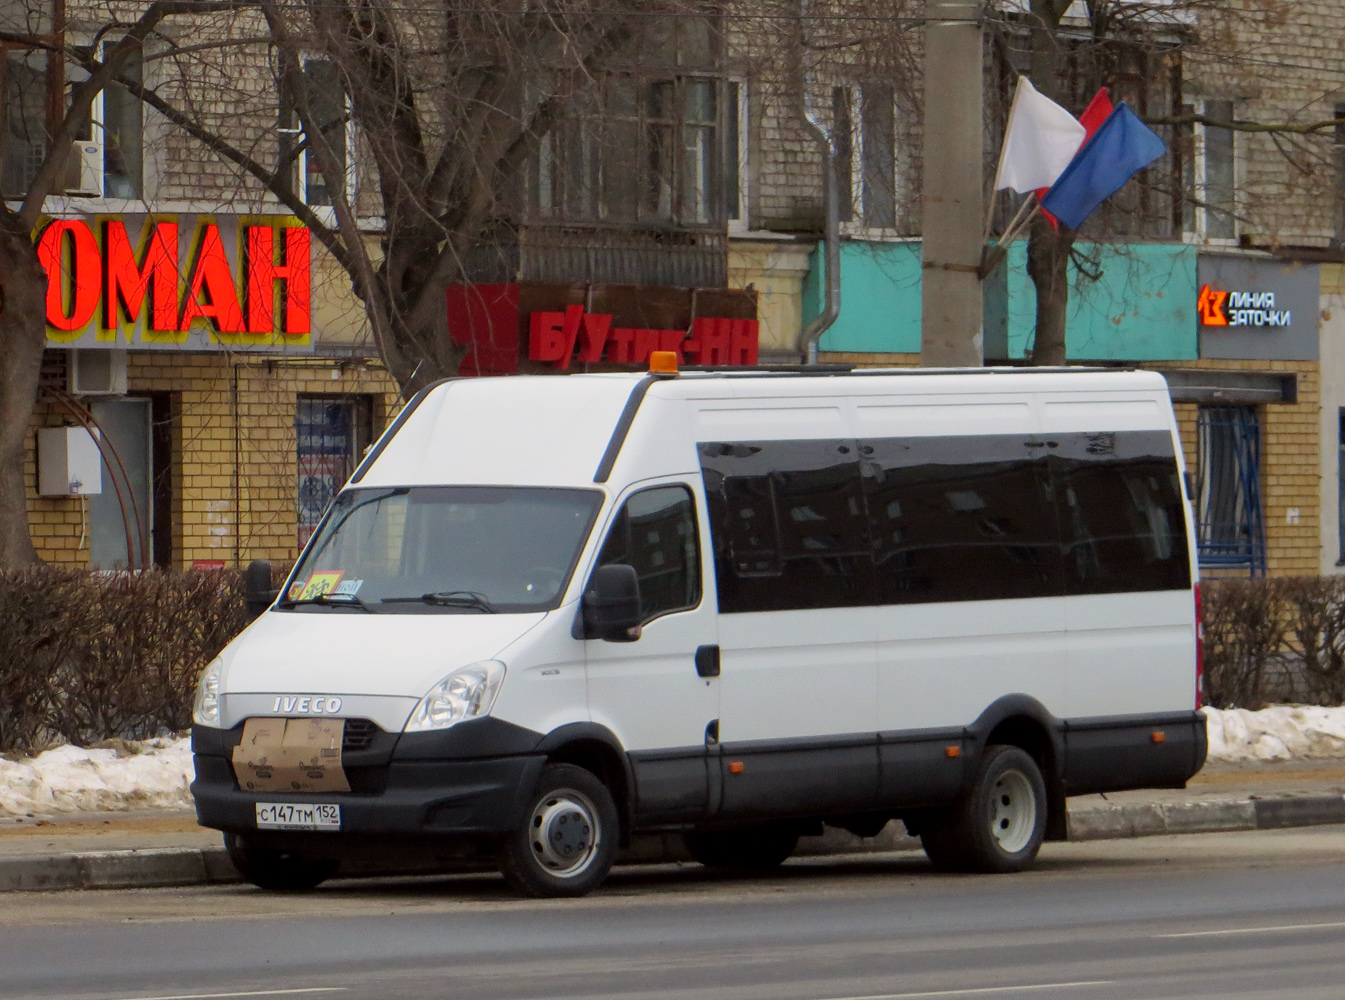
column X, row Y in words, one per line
column 597, row 750
column 1022, row 721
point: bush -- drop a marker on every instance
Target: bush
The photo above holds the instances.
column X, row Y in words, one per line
column 1274, row 640
column 89, row 656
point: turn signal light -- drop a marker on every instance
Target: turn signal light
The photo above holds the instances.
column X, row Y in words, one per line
column 1159, row 736
column 663, row 362
column 953, row 751
column 735, row 766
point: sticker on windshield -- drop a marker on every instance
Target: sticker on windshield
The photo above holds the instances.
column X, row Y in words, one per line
column 349, row 587
column 320, row 584
column 296, row 588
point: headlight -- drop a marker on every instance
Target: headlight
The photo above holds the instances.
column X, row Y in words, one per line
column 205, row 711
column 463, row 694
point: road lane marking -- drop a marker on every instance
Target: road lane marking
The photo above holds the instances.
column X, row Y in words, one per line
column 980, row 990
column 250, row 993
column 1252, row 930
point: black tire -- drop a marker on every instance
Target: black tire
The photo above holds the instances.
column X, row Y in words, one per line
column 276, row 870
column 999, row 825
column 567, row 839
column 757, row 847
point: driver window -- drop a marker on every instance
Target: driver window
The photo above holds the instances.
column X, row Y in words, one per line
column 656, row 533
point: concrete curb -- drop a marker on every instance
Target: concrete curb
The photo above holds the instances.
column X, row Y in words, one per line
column 177, row 867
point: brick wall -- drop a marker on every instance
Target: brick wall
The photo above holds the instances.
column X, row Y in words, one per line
column 233, row 462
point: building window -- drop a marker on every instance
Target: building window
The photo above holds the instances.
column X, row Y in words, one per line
column 736, row 134
column 121, row 122
column 648, row 143
column 330, row 109
column 27, row 125
column 1230, row 521
column 864, row 119
column 878, row 163
column 1340, row 483
column 331, row 434
column 1213, row 179
column 1339, row 164
column 107, row 159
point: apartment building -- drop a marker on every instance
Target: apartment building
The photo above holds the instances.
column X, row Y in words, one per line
column 677, row 204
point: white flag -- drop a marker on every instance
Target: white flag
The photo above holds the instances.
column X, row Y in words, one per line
column 1039, row 143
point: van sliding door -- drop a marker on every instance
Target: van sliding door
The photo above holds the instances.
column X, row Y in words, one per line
column 795, row 580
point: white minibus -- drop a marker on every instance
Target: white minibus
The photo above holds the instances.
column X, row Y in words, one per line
column 550, row 613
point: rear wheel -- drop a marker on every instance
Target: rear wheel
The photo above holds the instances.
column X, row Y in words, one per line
column 276, row 870
column 568, row 839
column 999, row 825
column 753, row 847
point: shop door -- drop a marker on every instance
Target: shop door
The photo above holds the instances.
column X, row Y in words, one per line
column 125, row 505
column 1230, row 522
column 331, row 434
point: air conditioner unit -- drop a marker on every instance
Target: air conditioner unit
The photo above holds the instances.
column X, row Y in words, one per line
column 98, row 372
column 84, row 169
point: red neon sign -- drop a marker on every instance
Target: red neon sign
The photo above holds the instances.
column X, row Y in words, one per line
column 88, row 276
column 553, row 337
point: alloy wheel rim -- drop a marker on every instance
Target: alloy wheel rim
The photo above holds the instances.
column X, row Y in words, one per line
column 564, row 833
column 1013, row 811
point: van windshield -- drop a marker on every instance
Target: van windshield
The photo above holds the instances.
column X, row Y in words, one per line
column 444, row 549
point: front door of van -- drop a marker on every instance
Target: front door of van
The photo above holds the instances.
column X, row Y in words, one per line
column 650, row 692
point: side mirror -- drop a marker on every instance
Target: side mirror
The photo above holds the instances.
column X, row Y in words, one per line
column 257, row 592
column 611, row 604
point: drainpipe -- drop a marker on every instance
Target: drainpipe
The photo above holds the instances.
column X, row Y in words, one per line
column 831, row 239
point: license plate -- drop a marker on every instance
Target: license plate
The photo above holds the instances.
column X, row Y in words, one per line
column 298, row 816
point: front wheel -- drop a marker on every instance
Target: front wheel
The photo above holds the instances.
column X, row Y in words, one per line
column 999, row 825
column 568, row 839
column 276, row 870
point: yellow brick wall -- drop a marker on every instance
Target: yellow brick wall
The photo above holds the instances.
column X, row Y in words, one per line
column 1290, row 463
column 233, row 460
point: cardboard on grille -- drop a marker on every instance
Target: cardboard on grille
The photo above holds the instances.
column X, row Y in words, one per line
column 291, row 755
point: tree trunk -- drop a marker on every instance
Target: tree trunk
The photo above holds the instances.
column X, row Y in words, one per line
column 1048, row 254
column 23, row 334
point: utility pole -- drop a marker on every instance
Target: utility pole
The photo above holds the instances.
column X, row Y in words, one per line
column 951, row 320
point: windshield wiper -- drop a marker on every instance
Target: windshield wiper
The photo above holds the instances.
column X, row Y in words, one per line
column 449, row 599
column 329, row 601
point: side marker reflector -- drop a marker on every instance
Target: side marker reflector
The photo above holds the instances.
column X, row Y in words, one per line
column 953, row 751
column 1159, row 736
column 735, row 767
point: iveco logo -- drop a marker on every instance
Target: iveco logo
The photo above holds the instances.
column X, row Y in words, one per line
column 287, row 705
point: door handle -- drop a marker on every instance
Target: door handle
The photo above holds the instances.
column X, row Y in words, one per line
column 707, row 661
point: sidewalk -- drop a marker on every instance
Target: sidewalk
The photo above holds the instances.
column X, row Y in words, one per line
column 167, row 848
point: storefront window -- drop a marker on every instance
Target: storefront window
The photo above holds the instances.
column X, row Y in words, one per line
column 331, row 434
column 1230, row 528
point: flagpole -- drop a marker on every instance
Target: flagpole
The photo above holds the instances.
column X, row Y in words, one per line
column 1030, row 199
column 1012, row 233
column 990, row 215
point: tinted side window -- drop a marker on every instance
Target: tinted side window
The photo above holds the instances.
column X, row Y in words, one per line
column 656, row 533
column 788, row 523
column 961, row 518
column 1119, row 499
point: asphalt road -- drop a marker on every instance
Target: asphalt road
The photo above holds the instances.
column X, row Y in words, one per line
column 1222, row 915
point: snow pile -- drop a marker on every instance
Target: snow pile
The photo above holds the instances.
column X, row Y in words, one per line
column 1281, row 732
column 153, row 775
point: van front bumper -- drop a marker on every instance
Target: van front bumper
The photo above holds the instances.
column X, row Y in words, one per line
column 471, row 798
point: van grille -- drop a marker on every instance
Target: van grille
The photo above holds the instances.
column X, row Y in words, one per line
column 359, row 735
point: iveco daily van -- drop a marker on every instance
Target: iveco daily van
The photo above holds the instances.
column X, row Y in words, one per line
column 550, row 612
